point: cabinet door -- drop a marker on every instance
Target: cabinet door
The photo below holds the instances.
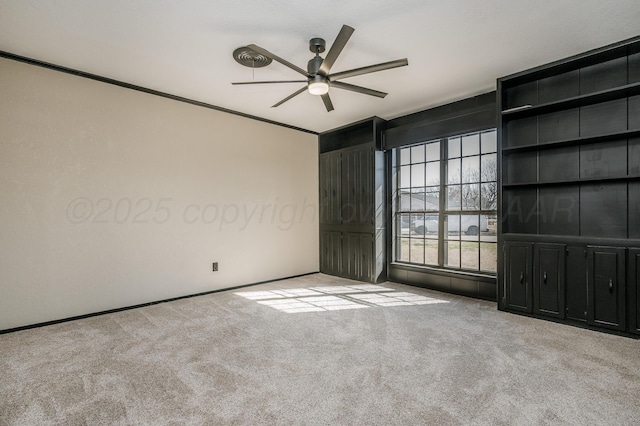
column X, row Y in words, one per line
column 330, row 188
column 548, row 284
column 349, row 207
column 358, row 259
column 634, row 289
column 325, row 189
column 576, row 300
column 365, row 187
column 518, row 276
column 366, row 258
column 606, row 287
column 331, row 252
column 352, row 255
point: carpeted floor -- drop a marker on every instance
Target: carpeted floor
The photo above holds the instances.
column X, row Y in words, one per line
column 333, row 353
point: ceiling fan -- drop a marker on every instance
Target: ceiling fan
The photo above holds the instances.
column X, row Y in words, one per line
column 318, row 79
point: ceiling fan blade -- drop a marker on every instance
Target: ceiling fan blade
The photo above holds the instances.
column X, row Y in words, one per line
column 296, row 93
column 270, row 55
column 369, row 69
column 269, row 82
column 327, row 102
column 336, row 48
column 357, row 89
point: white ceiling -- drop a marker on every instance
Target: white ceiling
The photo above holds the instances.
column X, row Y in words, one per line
column 456, row 48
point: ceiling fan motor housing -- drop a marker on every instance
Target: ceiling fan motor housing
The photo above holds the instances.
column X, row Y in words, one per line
column 314, row 65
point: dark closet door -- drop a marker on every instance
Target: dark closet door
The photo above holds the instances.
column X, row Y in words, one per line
column 366, row 257
column 350, row 201
column 518, row 276
column 606, row 287
column 352, row 255
column 331, row 252
column 330, row 188
column 366, row 205
column 634, row 289
column 549, row 279
column 358, row 257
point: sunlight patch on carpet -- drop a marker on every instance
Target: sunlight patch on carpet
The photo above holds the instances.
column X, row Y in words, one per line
column 333, row 298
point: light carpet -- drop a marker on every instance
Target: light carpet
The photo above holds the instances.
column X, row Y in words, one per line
column 298, row 352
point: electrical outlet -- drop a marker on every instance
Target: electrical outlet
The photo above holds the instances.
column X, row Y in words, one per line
column 215, row 266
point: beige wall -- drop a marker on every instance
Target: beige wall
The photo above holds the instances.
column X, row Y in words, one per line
column 111, row 197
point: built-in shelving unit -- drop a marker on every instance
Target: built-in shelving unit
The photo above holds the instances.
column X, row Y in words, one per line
column 570, row 176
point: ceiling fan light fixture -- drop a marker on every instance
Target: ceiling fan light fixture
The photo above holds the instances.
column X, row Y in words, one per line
column 318, row 86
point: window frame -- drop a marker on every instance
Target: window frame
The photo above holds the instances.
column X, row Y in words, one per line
column 403, row 211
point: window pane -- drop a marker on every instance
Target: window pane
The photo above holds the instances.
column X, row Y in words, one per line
column 404, row 249
column 489, row 228
column 489, row 199
column 489, row 168
column 470, row 169
column 453, row 171
column 471, row 196
column 417, row 200
column 470, row 227
column 405, row 200
column 405, row 156
column 488, row 257
column 452, row 225
column 417, row 175
column 452, row 254
column 454, row 147
column 417, row 154
column 431, row 252
column 488, row 141
column 453, row 197
column 427, row 226
column 405, row 174
column 417, row 224
column 433, row 173
column 471, row 144
column 417, row 250
column 405, row 223
column 469, row 256
column 432, row 198
column 433, row 151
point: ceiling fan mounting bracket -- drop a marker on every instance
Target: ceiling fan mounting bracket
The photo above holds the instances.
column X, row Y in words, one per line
column 317, row 45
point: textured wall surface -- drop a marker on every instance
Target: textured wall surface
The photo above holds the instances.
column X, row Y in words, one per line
column 111, row 197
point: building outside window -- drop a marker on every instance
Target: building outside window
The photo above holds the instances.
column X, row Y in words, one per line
column 445, row 203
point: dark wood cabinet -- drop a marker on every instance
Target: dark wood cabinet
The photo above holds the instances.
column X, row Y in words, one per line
column 534, row 278
column 357, row 176
column 606, row 286
column 331, row 252
column 569, row 187
column 634, row 290
column 352, row 212
column 576, row 300
column 518, row 276
column 330, row 188
column 549, row 279
column 358, row 256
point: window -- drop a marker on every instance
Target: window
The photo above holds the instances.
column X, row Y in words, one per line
column 445, row 202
